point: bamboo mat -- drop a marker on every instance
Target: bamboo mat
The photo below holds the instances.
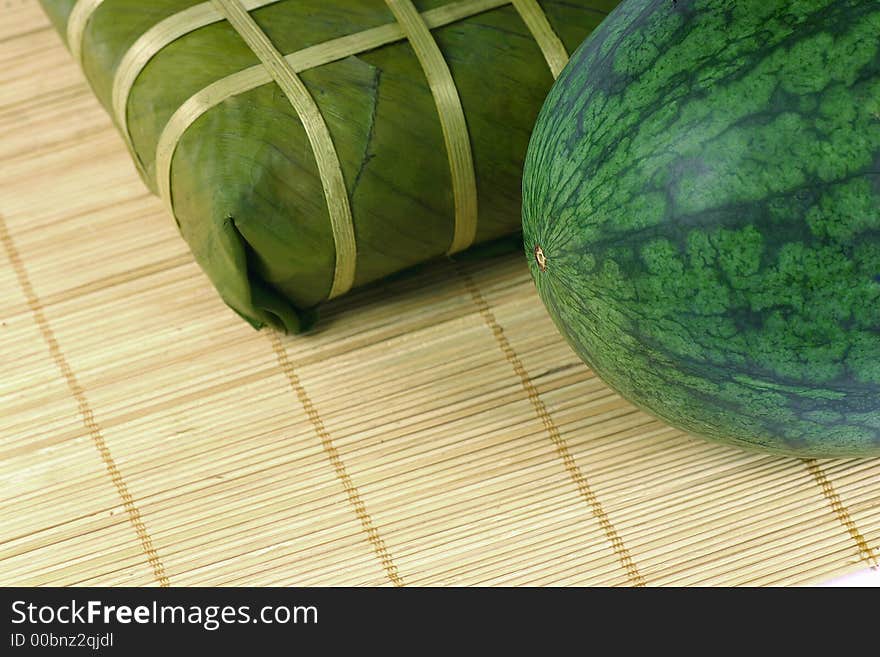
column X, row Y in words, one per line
column 432, row 431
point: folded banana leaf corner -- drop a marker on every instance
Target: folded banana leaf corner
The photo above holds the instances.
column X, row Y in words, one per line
column 306, row 147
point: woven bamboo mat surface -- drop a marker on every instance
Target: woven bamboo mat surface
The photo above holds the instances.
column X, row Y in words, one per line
column 433, row 430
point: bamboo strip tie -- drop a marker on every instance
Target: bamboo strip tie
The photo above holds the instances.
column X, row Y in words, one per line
column 452, row 121
column 549, row 43
column 329, row 168
column 152, row 42
column 76, row 26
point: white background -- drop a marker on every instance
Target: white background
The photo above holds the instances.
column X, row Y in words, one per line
column 864, row 578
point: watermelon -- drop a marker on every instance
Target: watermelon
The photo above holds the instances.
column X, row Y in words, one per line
column 701, row 214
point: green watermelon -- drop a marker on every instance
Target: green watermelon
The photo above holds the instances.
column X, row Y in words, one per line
column 701, row 213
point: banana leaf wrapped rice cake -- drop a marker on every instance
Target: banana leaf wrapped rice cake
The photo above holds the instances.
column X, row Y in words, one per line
column 305, row 147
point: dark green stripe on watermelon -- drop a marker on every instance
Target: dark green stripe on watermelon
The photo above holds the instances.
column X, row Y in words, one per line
column 704, row 183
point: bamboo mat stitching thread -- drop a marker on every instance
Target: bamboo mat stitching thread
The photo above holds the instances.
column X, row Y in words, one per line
column 85, row 410
column 866, row 552
column 351, row 490
column 571, row 466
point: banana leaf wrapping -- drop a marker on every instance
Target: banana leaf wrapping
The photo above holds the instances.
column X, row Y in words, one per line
column 309, row 146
